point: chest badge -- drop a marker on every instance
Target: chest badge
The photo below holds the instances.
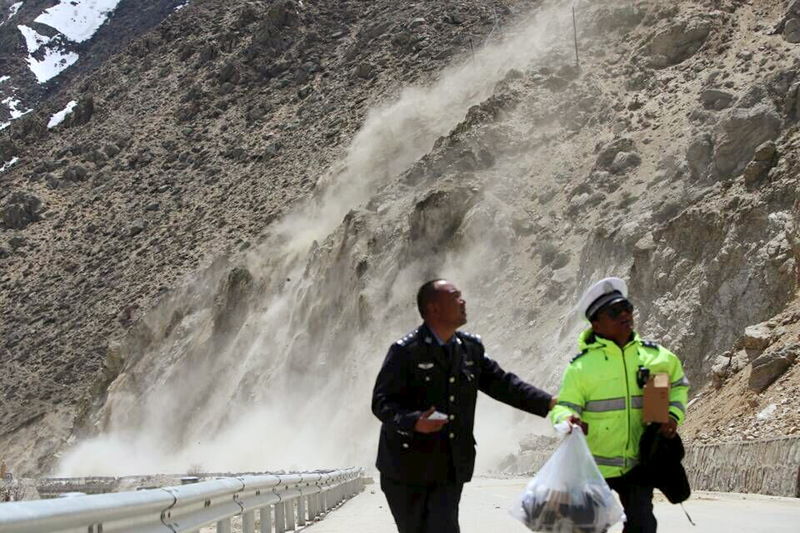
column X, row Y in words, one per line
column 425, row 366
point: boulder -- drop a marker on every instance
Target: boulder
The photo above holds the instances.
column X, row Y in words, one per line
column 698, row 155
column 81, row 113
column 791, row 102
column 229, row 73
column 720, row 370
column 137, row 226
column 271, row 31
column 716, row 99
column 738, row 135
column 437, row 217
column 770, row 366
column 791, row 30
column 365, row 70
column 8, row 150
column 756, row 171
column 417, row 23
column 608, row 18
column 756, row 337
column 608, row 153
column 624, row 161
column 739, row 360
column 21, row 210
column 764, row 159
column 676, row 43
column 17, row 241
column 75, row 173
column 282, row 13
column 766, row 152
column 111, row 150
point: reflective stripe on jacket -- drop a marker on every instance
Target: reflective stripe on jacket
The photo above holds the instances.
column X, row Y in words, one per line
column 599, row 386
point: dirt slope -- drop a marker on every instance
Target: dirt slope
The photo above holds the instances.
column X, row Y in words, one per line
column 184, row 148
column 669, row 158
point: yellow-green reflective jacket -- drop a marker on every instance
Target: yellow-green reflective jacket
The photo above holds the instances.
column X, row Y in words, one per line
column 600, row 387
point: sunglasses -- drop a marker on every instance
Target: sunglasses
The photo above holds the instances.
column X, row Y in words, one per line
column 614, row 311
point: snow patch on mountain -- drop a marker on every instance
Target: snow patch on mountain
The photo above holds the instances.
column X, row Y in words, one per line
column 54, row 63
column 75, row 20
column 54, row 59
column 12, row 10
column 8, row 164
column 78, row 20
column 33, row 39
column 59, row 117
column 14, row 109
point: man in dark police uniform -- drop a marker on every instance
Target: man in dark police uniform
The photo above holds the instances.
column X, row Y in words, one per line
column 425, row 397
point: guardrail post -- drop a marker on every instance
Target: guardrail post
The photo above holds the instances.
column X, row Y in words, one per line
column 265, row 514
column 301, row 510
column 249, row 522
column 280, row 517
column 224, row 526
column 290, row 515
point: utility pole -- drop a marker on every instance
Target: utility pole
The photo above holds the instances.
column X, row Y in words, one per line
column 472, row 49
column 575, row 34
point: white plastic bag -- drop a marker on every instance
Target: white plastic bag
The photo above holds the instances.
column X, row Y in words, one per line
column 568, row 494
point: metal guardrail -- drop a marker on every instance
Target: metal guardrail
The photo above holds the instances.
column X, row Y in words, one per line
column 282, row 503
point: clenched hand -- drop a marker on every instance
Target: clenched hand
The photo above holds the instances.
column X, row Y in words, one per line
column 426, row 425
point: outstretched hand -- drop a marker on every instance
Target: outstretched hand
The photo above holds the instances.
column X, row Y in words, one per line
column 426, row 425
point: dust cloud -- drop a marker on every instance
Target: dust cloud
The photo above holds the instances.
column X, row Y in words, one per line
column 290, row 389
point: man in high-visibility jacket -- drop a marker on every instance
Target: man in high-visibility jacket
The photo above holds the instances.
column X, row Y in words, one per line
column 601, row 393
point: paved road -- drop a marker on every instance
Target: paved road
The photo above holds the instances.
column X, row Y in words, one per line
column 485, row 504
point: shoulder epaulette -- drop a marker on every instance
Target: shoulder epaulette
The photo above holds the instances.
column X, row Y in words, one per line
column 651, row 344
column 408, row 339
column 471, row 336
column 579, row 355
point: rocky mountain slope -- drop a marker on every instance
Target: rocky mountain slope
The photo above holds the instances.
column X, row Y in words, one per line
column 45, row 45
column 217, row 246
column 184, row 147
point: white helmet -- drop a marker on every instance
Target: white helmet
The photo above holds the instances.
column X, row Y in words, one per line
column 605, row 292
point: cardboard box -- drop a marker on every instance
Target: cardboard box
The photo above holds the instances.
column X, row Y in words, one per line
column 656, row 398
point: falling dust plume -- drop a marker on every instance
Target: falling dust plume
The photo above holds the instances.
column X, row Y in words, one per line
column 290, row 388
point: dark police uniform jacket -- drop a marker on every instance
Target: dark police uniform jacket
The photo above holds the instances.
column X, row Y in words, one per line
column 419, row 373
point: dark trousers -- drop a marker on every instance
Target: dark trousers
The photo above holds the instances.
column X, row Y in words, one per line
column 423, row 508
column 637, row 500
